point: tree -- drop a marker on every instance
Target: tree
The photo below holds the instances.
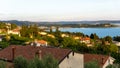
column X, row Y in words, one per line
column 36, row 63
column 75, row 45
column 108, row 38
column 20, row 62
column 2, row 64
column 94, row 36
column 113, row 48
column 2, row 25
column 68, row 41
column 7, row 37
column 113, row 66
column 47, row 62
column 102, row 49
column 51, row 30
column 117, row 38
column 28, row 31
column 92, row 64
column 117, row 57
column 57, row 29
column 13, row 26
column 24, row 31
column 52, row 41
column 15, row 39
column 4, row 44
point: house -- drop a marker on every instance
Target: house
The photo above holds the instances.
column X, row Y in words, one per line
column 64, row 35
column 116, row 43
column 103, row 60
column 85, row 40
column 42, row 33
column 65, row 57
column 14, row 31
column 39, row 43
column 77, row 37
column 50, row 35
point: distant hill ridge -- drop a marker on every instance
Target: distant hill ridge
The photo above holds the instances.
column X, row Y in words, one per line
column 61, row 22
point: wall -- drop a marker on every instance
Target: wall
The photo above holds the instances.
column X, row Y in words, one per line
column 75, row 61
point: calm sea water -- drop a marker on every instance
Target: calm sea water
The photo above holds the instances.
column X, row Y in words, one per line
column 101, row 32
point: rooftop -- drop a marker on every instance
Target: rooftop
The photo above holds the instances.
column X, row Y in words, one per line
column 100, row 58
column 29, row 52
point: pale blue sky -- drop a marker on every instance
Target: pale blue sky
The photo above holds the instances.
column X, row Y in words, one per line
column 59, row 10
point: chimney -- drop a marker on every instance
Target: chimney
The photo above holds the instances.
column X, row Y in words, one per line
column 102, row 60
column 39, row 54
column 13, row 53
column 73, row 53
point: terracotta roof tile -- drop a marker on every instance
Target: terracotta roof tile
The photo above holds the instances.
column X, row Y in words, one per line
column 29, row 52
column 100, row 58
column 42, row 41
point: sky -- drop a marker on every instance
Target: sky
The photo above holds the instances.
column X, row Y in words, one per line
column 59, row 10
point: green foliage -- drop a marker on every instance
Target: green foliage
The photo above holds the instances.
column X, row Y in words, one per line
column 2, row 64
column 75, row 45
column 57, row 34
column 92, row 64
column 4, row 44
column 24, row 31
column 13, row 26
column 102, row 49
column 36, row 63
column 51, row 30
column 117, row 57
column 15, row 39
column 108, row 38
column 2, row 25
column 78, row 34
column 47, row 62
column 20, row 62
column 94, row 36
column 31, row 30
column 117, row 38
column 52, row 41
column 69, row 42
column 113, row 66
column 57, row 29
column 113, row 48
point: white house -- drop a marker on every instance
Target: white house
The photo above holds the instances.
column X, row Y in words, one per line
column 15, row 31
column 39, row 43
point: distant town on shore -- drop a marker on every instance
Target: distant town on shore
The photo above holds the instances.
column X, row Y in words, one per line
column 99, row 23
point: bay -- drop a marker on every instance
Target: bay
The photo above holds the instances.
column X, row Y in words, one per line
column 101, row 32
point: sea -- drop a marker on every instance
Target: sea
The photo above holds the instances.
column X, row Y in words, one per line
column 101, row 32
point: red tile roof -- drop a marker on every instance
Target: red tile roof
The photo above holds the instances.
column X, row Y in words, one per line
column 29, row 52
column 100, row 58
column 86, row 38
column 42, row 41
column 16, row 30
